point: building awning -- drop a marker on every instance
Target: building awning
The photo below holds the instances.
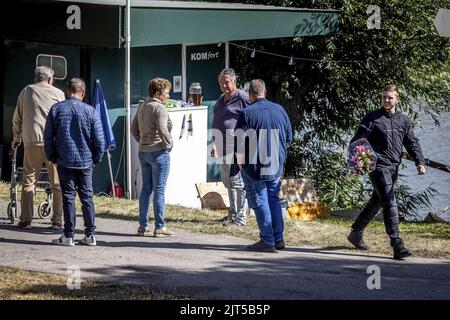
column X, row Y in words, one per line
column 162, row 22
column 174, row 22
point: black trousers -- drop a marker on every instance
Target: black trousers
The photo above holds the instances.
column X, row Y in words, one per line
column 383, row 181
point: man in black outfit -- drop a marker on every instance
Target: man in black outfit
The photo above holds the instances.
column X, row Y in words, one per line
column 387, row 130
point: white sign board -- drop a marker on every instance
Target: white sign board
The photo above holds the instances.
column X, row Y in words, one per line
column 188, row 158
column 177, row 84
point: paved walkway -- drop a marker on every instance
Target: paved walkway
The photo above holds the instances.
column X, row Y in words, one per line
column 219, row 267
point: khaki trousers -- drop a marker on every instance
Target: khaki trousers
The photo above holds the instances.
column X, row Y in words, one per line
column 33, row 159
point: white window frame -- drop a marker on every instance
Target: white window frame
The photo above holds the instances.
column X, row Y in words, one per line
column 51, row 63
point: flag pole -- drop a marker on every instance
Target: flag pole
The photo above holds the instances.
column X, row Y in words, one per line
column 127, row 100
column 111, row 174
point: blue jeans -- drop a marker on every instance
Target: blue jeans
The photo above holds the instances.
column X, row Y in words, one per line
column 263, row 198
column 155, row 170
column 71, row 181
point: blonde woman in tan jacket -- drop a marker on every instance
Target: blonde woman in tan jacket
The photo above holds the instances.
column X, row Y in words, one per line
column 32, row 108
column 151, row 128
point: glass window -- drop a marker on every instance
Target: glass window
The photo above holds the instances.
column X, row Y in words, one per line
column 57, row 63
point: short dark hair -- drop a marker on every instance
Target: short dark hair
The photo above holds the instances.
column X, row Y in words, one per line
column 76, row 85
column 257, row 87
column 158, row 85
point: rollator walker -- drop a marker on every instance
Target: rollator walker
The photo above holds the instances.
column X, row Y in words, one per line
column 45, row 207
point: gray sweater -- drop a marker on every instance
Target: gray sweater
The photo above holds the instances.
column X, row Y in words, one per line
column 151, row 127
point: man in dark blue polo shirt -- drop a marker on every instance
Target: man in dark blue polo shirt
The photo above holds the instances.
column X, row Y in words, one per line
column 264, row 134
column 226, row 112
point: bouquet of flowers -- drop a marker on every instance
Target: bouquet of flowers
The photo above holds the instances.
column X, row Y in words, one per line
column 361, row 157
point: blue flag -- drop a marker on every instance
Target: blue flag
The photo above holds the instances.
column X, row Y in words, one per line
column 100, row 106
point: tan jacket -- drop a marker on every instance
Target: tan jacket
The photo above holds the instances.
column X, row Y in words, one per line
column 32, row 108
column 151, row 127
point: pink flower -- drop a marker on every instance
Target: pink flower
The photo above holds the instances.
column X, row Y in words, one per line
column 362, row 159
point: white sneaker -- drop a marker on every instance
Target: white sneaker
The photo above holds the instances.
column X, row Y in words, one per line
column 63, row 241
column 163, row 232
column 89, row 241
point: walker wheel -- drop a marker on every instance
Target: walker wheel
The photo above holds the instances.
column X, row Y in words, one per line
column 12, row 212
column 44, row 210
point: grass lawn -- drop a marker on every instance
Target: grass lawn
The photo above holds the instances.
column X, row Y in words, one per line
column 18, row 284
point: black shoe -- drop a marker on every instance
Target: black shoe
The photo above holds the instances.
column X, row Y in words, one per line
column 24, row 225
column 225, row 219
column 228, row 222
column 55, row 226
column 400, row 251
column 356, row 238
column 279, row 245
column 261, row 246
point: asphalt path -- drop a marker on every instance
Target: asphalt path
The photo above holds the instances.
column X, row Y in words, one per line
column 219, row 267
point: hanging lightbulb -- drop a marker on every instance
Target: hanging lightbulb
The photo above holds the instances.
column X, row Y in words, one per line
column 219, row 44
column 253, row 53
column 291, row 61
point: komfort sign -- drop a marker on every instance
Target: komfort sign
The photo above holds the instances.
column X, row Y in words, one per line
column 198, row 56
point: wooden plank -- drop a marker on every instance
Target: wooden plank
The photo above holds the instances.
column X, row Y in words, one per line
column 213, row 195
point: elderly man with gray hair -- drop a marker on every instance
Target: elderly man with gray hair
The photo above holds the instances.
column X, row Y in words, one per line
column 29, row 118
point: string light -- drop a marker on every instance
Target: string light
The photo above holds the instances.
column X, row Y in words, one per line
column 219, row 44
column 291, row 58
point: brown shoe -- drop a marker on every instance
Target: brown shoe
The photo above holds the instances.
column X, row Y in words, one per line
column 24, row 225
column 163, row 232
